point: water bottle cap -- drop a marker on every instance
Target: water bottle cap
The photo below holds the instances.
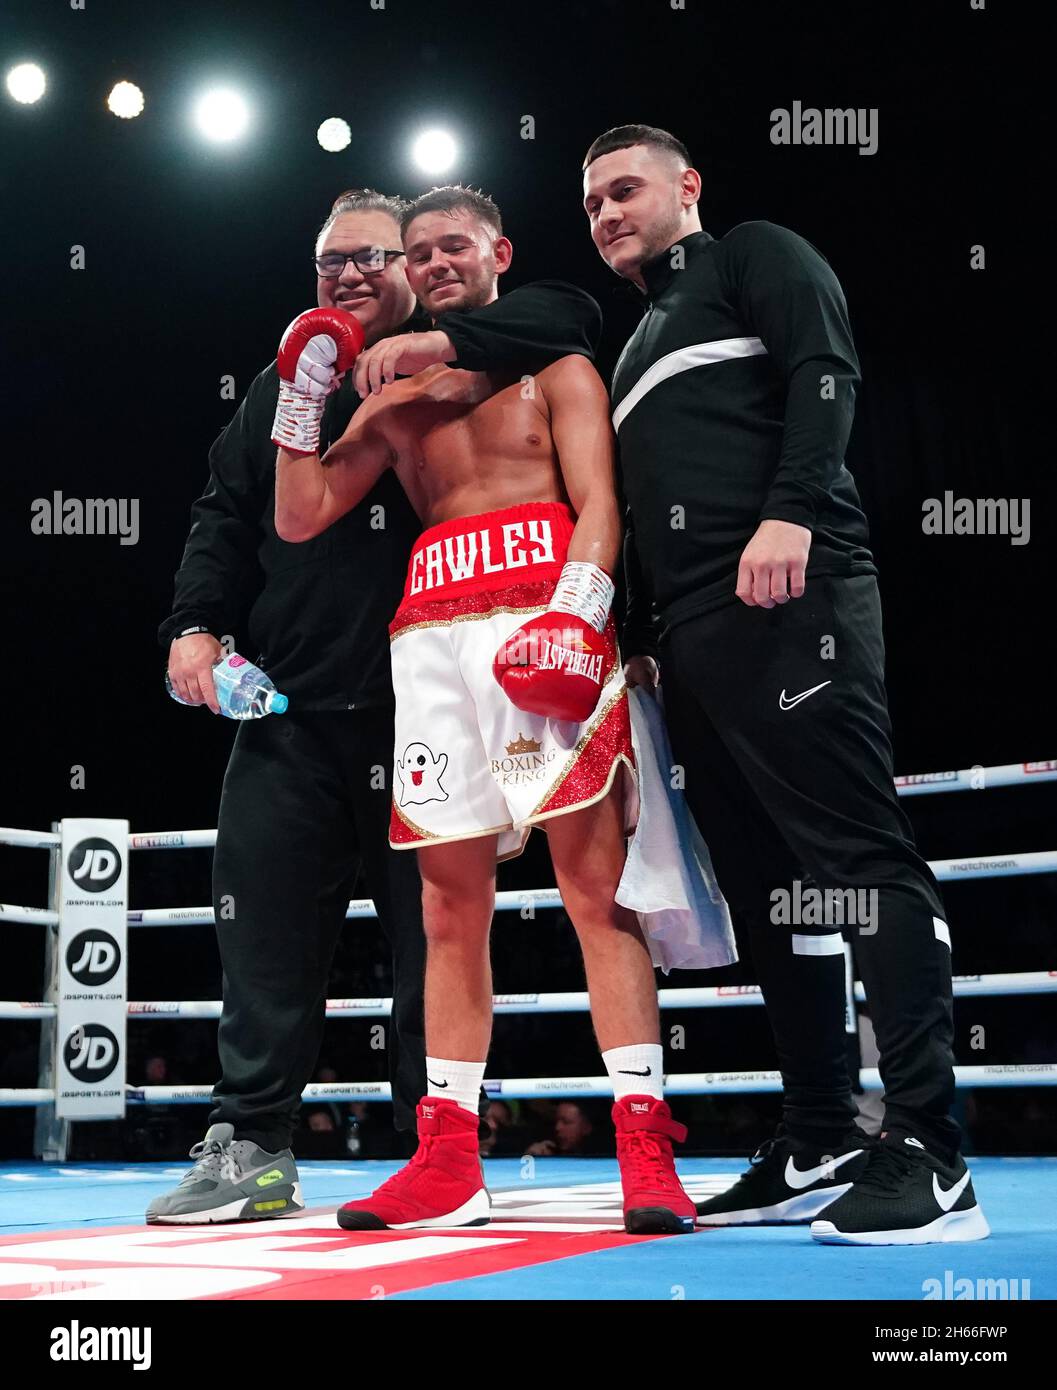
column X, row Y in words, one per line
column 279, row 705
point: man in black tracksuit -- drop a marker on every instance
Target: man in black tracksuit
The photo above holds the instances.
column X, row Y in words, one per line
column 306, row 800
column 733, row 402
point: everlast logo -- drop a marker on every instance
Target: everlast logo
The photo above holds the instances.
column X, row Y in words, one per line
column 576, row 663
column 475, row 554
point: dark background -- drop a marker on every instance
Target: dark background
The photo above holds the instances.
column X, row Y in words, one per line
column 198, row 256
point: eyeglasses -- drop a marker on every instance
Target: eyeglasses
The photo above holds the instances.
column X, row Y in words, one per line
column 372, row 260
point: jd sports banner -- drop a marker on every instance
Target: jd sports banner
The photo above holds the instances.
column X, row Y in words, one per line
column 92, row 988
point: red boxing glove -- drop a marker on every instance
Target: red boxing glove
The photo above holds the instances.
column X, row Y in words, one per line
column 315, row 350
column 553, row 665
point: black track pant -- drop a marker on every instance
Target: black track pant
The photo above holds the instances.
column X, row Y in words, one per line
column 298, row 818
column 794, row 797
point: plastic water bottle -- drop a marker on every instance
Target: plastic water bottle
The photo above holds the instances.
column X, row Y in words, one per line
column 243, row 690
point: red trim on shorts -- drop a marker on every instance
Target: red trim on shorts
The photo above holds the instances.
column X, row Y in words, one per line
column 450, row 610
column 399, row 832
column 591, row 771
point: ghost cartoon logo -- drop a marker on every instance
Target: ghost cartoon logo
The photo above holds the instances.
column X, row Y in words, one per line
column 94, row 865
column 420, row 773
column 90, row 1052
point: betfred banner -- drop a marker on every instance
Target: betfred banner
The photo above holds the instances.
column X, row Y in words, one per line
column 92, row 978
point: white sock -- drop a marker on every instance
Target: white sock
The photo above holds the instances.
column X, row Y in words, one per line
column 637, row 1070
column 458, row 1081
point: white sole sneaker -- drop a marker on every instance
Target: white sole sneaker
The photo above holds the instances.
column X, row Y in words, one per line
column 234, row 1211
column 476, row 1212
column 970, row 1224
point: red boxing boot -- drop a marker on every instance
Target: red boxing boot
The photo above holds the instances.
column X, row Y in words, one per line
column 443, row 1185
column 654, row 1200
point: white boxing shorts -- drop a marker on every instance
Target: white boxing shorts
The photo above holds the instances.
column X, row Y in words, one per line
column 467, row 762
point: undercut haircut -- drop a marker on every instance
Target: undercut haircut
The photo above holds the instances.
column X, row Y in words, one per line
column 453, row 197
column 362, row 200
column 622, row 137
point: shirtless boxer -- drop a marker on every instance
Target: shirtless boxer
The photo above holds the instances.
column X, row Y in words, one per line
column 511, row 703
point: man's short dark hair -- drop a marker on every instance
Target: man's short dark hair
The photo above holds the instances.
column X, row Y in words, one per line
column 453, row 197
column 362, row 200
column 622, row 137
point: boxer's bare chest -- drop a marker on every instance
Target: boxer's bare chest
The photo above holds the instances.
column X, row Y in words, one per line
column 453, row 431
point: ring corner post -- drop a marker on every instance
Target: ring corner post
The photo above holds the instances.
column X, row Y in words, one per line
column 51, row 1136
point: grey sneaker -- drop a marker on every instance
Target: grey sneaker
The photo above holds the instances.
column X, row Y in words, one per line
column 231, row 1181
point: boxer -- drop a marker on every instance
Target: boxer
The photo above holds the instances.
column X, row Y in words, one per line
column 511, row 703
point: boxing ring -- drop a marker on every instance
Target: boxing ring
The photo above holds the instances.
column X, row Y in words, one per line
column 556, row 1222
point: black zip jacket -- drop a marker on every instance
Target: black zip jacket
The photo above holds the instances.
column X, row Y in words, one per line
column 315, row 614
column 733, row 401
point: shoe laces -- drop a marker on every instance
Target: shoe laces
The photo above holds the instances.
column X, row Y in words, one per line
column 650, row 1155
column 422, row 1155
column 427, row 1143
column 886, row 1169
column 213, row 1160
column 763, row 1153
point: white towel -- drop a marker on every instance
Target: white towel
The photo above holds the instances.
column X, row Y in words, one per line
column 668, row 879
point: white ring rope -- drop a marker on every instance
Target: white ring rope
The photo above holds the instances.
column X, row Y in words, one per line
column 977, row 778
column 29, row 839
column 708, row 997
column 916, row 784
column 688, row 1083
column 534, row 1087
column 526, row 901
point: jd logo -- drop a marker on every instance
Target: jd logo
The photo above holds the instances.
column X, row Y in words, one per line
column 93, row 957
column 94, row 865
column 91, row 1052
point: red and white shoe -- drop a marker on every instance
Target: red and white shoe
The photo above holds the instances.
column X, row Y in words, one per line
column 443, row 1185
column 654, row 1200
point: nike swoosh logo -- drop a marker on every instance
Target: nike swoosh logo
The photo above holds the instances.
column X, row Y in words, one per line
column 647, row 1072
column 252, row 1174
column 946, row 1200
column 798, row 1179
column 785, row 703
column 440, row 1085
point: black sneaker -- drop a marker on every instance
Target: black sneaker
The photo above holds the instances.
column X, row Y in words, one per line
column 905, row 1197
column 787, row 1183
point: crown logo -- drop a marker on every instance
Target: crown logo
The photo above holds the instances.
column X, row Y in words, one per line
column 523, row 745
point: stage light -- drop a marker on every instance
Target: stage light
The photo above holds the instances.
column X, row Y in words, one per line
column 334, row 134
column 126, row 100
column 26, row 83
column 221, row 115
column 434, row 152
